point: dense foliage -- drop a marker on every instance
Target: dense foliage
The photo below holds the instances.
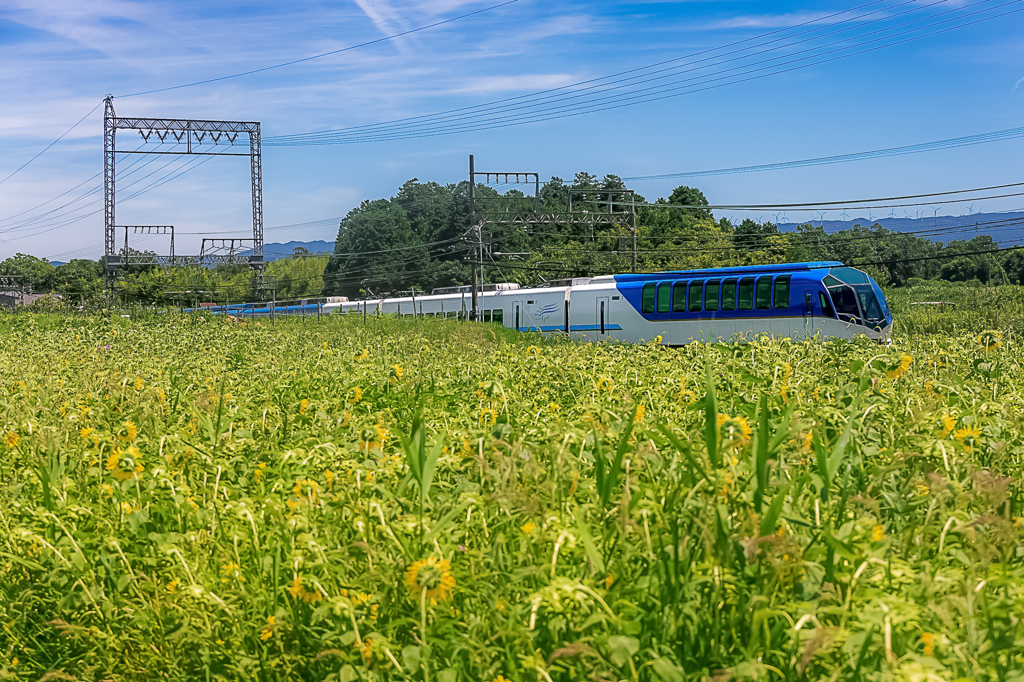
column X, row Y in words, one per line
column 186, row 498
column 421, row 239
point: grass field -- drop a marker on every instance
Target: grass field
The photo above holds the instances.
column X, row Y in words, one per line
column 186, row 499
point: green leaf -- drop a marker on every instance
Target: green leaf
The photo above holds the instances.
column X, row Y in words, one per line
column 589, row 546
column 762, row 452
column 774, row 510
column 711, row 419
column 666, row 671
column 683, row 448
column 622, row 649
column 836, row 458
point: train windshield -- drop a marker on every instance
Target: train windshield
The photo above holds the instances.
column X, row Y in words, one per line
column 857, row 297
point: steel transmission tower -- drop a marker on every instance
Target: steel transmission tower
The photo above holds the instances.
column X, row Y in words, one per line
column 188, row 137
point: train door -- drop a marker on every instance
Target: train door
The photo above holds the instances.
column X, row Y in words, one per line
column 603, row 317
column 808, row 314
column 517, row 314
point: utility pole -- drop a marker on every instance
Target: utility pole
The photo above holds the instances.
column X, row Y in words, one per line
column 472, row 222
column 632, row 228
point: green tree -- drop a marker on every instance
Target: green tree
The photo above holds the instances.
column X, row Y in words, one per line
column 298, row 276
column 78, row 280
column 34, row 272
column 376, row 248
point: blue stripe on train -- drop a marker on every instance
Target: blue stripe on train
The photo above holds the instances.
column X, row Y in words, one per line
column 572, row 328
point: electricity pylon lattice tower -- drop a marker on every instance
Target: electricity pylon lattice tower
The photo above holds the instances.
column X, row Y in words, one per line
column 189, row 137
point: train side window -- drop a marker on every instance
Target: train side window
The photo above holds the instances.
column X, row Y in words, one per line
column 498, row 316
column 647, row 303
column 711, row 295
column 679, row 297
column 664, row 294
column 487, row 316
column 764, row 293
column 729, row 294
column 746, row 297
column 696, row 289
column 782, row 292
column 826, row 305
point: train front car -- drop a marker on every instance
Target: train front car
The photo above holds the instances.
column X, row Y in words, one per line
column 796, row 300
column 858, row 304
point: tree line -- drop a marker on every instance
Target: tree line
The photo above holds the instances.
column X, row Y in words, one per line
column 421, row 238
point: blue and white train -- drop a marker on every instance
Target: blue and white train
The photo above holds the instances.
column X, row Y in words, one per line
column 796, row 300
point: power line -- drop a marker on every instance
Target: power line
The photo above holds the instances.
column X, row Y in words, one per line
column 428, row 128
column 51, row 144
column 996, row 136
column 325, row 54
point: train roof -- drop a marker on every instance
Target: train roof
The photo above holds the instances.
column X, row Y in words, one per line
column 719, row 272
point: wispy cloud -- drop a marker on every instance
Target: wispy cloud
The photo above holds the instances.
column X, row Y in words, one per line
column 533, row 81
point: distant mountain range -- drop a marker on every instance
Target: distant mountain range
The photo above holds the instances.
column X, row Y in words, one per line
column 274, row 251
column 1000, row 226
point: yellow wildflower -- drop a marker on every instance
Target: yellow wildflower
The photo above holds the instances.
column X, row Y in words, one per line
column 329, row 475
column 303, row 406
column 608, row 580
column 172, row 586
column 130, row 431
column 357, row 394
column 928, row 639
column 638, row 415
column 527, row 527
column 877, row 533
column 432, row 575
column 396, row 373
column 605, row 383
column 268, row 630
column 139, row 384
column 901, row 368
column 84, row 433
column 299, row 591
column 968, row 435
column 533, row 350
column 231, row 570
column 488, row 416
column 990, row 340
column 948, row 424
column 11, row 439
column 361, row 356
column 734, row 431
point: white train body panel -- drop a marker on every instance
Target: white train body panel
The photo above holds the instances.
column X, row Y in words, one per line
column 798, row 301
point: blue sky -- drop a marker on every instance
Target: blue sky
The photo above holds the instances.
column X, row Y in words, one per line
column 60, row 58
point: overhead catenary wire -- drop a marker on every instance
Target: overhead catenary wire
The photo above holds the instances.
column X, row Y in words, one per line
column 324, row 54
column 348, row 136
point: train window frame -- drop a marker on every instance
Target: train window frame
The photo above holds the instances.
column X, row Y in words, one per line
column 777, row 288
column 711, row 303
column 726, row 284
column 763, row 286
column 679, row 296
column 698, row 285
column 647, row 298
column 826, row 305
column 498, row 315
column 745, row 289
column 664, row 290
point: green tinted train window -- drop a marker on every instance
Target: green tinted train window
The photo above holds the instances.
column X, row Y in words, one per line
column 647, row 303
column 498, row 316
column 729, row 294
column 696, row 288
column 764, row 293
column 782, row 292
column 664, row 291
column 711, row 295
column 746, row 297
column 679, row 297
